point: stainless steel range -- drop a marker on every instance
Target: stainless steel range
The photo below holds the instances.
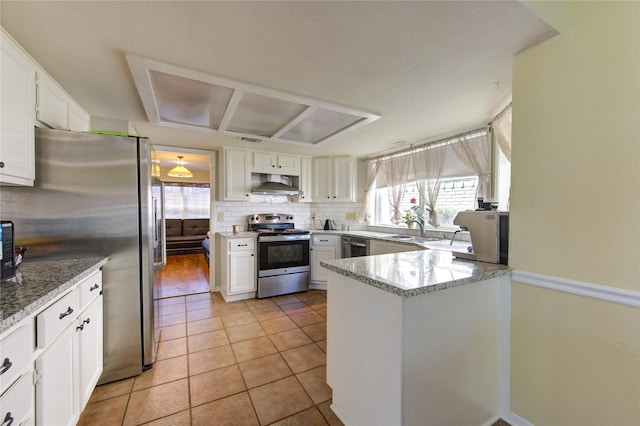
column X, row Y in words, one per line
column 283, row 254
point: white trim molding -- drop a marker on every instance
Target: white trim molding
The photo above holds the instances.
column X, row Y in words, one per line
column 596, row 291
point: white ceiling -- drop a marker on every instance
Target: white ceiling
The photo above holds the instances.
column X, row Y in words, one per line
column 430, row 69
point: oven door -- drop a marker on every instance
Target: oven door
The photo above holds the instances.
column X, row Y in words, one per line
column 275, row 253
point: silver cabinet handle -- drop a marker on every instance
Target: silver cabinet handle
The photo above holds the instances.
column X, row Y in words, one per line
column 69, row 311
column 6, row 365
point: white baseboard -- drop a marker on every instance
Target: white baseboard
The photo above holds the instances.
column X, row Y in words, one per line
column 596, row 291
column 515, row 420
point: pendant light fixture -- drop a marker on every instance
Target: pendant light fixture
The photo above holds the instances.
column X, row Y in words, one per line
column 180, row 171
column 155, row 168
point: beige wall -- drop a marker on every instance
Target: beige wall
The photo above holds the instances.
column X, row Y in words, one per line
column 575, row 213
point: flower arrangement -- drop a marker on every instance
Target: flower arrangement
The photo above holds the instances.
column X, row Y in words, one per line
column 415, row 212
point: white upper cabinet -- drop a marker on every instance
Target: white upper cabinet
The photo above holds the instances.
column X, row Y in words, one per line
column 236, row 175
column 55, row 109
column 268, row 162
column 333, row 179
column 306, row 180
column 17, row 158
column 29, row 97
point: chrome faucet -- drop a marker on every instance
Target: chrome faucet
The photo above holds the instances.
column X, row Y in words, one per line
column 420, row 224
column 462, row 229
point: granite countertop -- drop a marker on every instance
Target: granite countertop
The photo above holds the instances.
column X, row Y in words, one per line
column 414, row 273
column 242, row 234
column 42, row 282
column 420, row 243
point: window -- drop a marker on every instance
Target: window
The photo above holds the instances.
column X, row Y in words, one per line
column 456, row 194
column 186, row 201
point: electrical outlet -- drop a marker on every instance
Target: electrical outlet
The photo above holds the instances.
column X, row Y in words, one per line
column 220, row 217
column 351, row 216
column 313, row 216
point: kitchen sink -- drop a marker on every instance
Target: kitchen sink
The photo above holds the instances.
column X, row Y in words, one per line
column 400, row 237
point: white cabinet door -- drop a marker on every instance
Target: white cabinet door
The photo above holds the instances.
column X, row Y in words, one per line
column 89, row 331
column 289, row 165
column 242, row 272
column 17, row 93
column 264, row 162
column 333, row 179
column 306, row 180
column 317, row 254
column 267, row 162
column 322, row 179
column 55, row 388
column 16, row 404
column 52, row 104
column 343, row 179
column 237, row 177
column 79, row 119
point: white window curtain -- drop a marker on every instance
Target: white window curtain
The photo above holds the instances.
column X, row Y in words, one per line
column 396, row 172
column 428, row 166
column 502, row 128
column 372, row 167
column 474, row 150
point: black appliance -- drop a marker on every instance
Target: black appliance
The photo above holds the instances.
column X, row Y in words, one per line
column 7, row 257
column 354, row 246
column 283, row 254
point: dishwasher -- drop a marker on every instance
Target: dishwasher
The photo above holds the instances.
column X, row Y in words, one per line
column 355, row 246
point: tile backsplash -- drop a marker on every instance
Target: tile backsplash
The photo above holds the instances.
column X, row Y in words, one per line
column 229, row 213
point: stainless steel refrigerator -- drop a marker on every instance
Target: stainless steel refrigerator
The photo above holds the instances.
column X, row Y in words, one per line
column 94, row 195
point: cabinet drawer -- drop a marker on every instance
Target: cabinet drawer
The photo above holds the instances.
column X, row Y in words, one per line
column 89, row 289
column 16, row 403
column 15, row 353
column 324, row 240
column 56, row 318
column 237, row 244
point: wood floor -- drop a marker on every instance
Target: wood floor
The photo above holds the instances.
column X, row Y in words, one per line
column 184, row 274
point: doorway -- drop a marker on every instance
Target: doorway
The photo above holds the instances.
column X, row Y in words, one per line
column 188, row 207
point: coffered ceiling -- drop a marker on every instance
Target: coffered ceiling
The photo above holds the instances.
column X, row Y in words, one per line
column 429, row 69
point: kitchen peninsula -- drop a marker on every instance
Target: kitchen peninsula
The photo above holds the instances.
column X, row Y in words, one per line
column 417, row 338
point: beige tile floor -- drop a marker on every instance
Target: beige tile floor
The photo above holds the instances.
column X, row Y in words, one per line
column 254, row 362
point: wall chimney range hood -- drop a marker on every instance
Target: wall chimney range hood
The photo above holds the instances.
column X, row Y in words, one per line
column 274, row 186
column 183, row 98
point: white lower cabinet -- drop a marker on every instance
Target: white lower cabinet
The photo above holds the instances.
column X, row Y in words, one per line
column 67, row 370
column 51, row 361
column 323, row 247
column 16, row 405
column 56, row 375
column 90, row 354
column 237, row 268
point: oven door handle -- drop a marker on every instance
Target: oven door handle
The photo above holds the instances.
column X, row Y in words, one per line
column 357, row 244
column 272, row 238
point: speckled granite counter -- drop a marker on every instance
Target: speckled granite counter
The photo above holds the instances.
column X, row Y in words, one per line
column 243, row 234
column 413, row 273
column 42, row 282
column 420, row 243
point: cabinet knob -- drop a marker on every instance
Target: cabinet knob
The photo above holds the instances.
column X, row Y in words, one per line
column 6, row 365
column 280, row 166
column 273, row 165
column 1, row 164
column 334, row 196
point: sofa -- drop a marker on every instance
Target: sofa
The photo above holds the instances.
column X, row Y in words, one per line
column 185, row 235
